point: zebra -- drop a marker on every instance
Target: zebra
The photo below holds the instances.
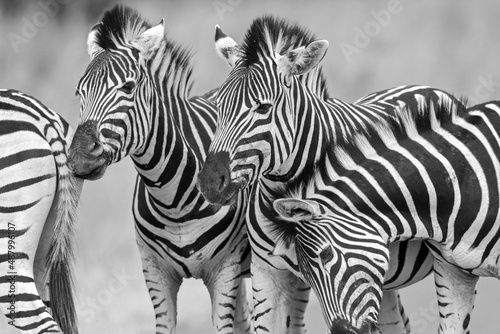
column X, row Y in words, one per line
column 38, row 201
column 275, row 120
column 433, row 177
column 134, row 100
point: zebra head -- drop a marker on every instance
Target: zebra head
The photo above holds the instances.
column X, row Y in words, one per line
column 115, row 90
column 343, row 261
column 256, row 121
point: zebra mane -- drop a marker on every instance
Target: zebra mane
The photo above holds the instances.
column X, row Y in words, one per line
column 119, row 25
column 409, row 122
column 122, row 24
column 269, row 34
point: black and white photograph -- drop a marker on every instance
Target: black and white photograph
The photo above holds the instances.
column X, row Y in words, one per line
column 249, row 166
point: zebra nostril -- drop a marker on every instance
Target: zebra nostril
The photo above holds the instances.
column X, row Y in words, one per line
column 222, row 183
column 95, row 148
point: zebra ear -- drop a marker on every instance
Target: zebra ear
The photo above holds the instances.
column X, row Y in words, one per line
column 92, row 47
column 303, row 59
column 294, row 209
column 150, row 40
column 226, row 47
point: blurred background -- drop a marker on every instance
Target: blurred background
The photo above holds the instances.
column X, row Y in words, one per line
column 453, row 45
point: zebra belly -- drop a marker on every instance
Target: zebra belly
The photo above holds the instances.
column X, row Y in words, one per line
column 409, row 263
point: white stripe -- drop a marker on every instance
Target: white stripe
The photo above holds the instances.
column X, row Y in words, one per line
column 472, row 231
column 369, row 152
column 476, row 169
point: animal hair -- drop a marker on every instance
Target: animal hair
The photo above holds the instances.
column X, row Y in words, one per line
column 409, row 122
column 121, row 25
column 269, row 34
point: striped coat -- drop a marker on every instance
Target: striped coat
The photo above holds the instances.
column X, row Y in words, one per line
column 135, row 102
column 38, row 199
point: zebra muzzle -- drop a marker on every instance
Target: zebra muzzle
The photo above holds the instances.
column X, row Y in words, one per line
column 342, row 326
column 214, row 180
column 88, row 158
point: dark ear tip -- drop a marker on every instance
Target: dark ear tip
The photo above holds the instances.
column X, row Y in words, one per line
column 96, row 26
column 218, row 33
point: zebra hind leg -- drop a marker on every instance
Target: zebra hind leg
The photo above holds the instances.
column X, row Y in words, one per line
column 392, row 318
column 20, row 300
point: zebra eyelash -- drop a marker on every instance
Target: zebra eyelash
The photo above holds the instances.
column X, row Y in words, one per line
column 263, row 107
column 128, row 87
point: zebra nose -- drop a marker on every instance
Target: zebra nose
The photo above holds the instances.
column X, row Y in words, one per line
column 94, row 148
column 86, row 140
column 342, row 326
column 214, row 176
column 87, row 156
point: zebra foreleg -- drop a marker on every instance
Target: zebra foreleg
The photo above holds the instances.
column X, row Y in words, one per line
column 163, row 288
column 280, row 299
column 226, row 288
column 243, row 312
column 455, row 290
column 392, row 318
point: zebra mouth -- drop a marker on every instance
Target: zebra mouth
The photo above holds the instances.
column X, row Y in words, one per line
column 93, row 173
column 215, row 182
column 225, row 197
column 89, row 169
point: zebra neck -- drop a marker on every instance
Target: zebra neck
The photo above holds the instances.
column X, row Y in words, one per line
column 168, row 165
column 171, row 69
column 311, row 134
column 182, row 129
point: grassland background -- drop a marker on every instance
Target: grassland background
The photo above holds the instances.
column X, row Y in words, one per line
column 453, row 45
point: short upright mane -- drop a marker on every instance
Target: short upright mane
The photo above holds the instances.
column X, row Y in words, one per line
column 119, row 26
column 409, row 122
column 268, row 34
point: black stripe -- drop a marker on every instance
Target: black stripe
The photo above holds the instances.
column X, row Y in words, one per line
column 18, row 208
column 25, row 183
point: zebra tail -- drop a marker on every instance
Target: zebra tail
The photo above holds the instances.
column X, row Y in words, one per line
column 60, row 255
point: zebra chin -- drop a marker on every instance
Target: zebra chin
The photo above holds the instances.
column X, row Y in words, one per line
column 225, row 197
column 90, row 170
column 342, row 326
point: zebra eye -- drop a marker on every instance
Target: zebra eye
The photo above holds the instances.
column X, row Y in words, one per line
column 128, row 87
column 263, row 108
column 326, row 254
